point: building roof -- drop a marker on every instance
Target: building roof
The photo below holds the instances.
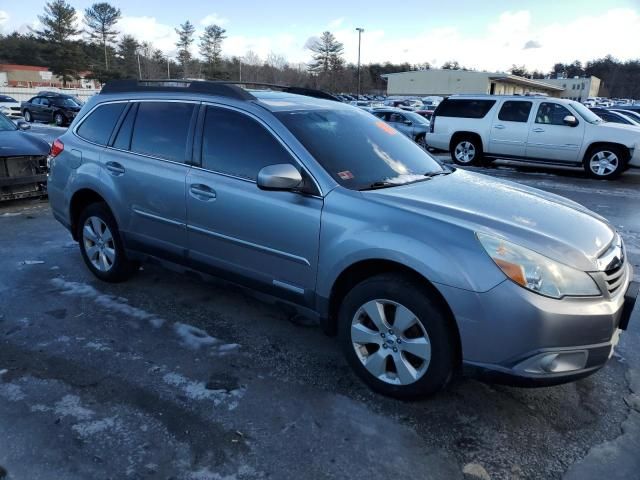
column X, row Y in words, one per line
column 11, row 66
column 526, row 82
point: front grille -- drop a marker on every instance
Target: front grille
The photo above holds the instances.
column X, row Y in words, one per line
column 614, row 278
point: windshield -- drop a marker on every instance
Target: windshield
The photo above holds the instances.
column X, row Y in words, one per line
column 6, row 98
column 359, row 150
column 67, row 102
column 585, row 113
column 6, row 125
column 416, row 118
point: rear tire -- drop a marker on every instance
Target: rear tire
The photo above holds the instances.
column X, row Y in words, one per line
column 58, row 119
column 101, row 246
column 408, row 350
column 27, row 116
column 605, row 162
column 466, row 150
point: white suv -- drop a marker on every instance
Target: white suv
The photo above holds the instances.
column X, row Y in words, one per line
column 533, row 128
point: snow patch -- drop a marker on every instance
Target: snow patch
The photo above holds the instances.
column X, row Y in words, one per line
column 11, row 392
column 97, row 346
column 117, row 304
column 70, row 406
column 11, row 214
column 198, row 391
column 31, row 262
column 87, row 429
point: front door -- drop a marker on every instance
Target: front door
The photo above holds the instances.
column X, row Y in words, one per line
column 401, row 123
column 268, row 239
column 510, row 129
column 550, row 138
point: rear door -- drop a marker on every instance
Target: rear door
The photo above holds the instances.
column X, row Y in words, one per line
column 45, row 110
column 510, row 128
column 268, row 239
column 550, row 138
column 146, row 167
column 35, row 108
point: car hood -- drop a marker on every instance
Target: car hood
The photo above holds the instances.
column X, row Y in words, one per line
column 618, row 128
column 19, row 143
column 543, row 222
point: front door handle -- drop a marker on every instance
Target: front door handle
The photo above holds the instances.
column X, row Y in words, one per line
column 538, row 130
column 202, row 192
column 115, row 168
column 499, row 127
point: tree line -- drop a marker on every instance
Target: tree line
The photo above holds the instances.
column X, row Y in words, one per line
column 97, row 47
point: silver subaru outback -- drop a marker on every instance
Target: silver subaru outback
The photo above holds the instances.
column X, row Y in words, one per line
column 420, row 269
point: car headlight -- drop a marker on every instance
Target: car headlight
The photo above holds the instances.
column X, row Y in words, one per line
column 536, row 272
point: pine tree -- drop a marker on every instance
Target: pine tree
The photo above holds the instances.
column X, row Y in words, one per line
column 101, row 19
column 327, row 54
column 211, row 48
column 185, row 39
column 128, row 57
column 59, row 29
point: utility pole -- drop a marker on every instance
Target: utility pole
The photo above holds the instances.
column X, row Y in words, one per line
column 139, row 69
column 240, row 60
column 168, row 73
column 359, row 30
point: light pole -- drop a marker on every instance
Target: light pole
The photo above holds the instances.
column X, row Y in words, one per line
column 359, row 30
column 168, row 72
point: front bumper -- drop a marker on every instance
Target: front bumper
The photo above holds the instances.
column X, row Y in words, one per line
column 514, row 336
column 634, row 161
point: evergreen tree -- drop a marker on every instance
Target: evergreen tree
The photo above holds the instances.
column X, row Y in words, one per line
column 185, row 39
column 101, row 19
column 327, row 54
column 211, row 48
column 128, row 57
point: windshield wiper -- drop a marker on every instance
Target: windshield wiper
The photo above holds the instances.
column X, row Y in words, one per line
column 378, row 185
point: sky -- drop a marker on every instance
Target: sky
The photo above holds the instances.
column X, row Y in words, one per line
column 482, row 34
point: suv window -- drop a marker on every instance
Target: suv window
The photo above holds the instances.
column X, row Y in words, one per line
column 464, row 108
column 35, row 101
column 235, row 144
column 551, row 114
column 123, row 138
column 515, row 111
column 162, row 129
column 396, row 118
column 97, row 127
column 45, row 101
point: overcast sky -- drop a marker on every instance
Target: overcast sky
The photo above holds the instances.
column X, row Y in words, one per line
column 486, row 35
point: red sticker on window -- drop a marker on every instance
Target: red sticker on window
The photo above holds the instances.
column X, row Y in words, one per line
column 346, row 175
column 386, row 128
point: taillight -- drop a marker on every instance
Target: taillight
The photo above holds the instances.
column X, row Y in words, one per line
column 56, row 148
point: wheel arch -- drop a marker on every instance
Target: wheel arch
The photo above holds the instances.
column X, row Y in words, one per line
column 601, row 144
column 466, row 134
column 79, row 201
column 363, row 269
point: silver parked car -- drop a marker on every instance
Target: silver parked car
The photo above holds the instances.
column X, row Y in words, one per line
column 421, row 269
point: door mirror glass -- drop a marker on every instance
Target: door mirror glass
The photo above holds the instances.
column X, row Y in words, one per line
column 570, row 120
column 282, row 176
column 24, row 125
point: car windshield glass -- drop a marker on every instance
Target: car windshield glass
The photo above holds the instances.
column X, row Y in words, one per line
column 414, row 117
column 585, row 113
column 359, row 150
column 67, row 102
column 6, row 125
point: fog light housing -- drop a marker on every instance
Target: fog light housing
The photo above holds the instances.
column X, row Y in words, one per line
column 554, row 362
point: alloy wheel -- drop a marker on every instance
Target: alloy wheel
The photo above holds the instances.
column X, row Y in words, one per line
column 465, row 152
column 99, row 244
column 604, row 163
column 391, row 342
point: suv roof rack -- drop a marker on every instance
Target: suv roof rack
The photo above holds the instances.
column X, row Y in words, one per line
column 221, row 88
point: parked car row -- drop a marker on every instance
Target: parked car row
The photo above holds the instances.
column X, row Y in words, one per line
column 534, row 129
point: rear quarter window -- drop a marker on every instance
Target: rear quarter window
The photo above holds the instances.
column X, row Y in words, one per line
column 99, row 124
column 463, row 108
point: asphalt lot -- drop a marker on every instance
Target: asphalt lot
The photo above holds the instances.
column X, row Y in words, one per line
column 171, row 375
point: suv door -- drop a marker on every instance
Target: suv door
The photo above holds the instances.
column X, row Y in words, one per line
column 34, row 108
column 510, row 129
column 146, row 168
column 550, row 138
column 45, row 110
column 268, row 239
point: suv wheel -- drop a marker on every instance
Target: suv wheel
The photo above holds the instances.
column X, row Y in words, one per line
column 422, row 141
column 27, row 116
column 59, row 119
column 395, row 337
column 101, row 246
column 466, row 151
column 604, row 162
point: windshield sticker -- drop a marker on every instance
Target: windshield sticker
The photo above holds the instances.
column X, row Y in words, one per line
column 346, row 175
column 386, row 128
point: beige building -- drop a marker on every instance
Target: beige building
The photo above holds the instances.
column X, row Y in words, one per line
column 449, row 82
column 577, row 88
column 31, row 76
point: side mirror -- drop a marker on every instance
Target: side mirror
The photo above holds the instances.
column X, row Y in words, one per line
column 24, row 126
column 408, row 122
column 570, row 120
column 283, row 176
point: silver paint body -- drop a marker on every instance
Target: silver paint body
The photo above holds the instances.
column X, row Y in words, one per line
column 295, row 246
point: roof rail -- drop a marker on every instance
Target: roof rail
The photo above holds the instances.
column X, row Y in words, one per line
column 194, row 86
column 221, row 88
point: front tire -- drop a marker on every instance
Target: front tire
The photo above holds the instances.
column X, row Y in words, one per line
column 396, row 337
column 58, row 119
column 27, row 116
column 605, row 163
column 101, row 246
column 466, row 150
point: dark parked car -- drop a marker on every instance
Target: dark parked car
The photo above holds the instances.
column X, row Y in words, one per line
column 23, row 161
column 615, row 117
column 51, row 107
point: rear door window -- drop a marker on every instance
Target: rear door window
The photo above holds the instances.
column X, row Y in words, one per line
column 97, row 127
column 515, row 111
column 464, row 108
column 123, row 137
column 161, row 129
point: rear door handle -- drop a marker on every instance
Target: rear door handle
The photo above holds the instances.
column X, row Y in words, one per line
column 499, row 127
column 202, row 192
column 115, row 168
column 538, row 130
